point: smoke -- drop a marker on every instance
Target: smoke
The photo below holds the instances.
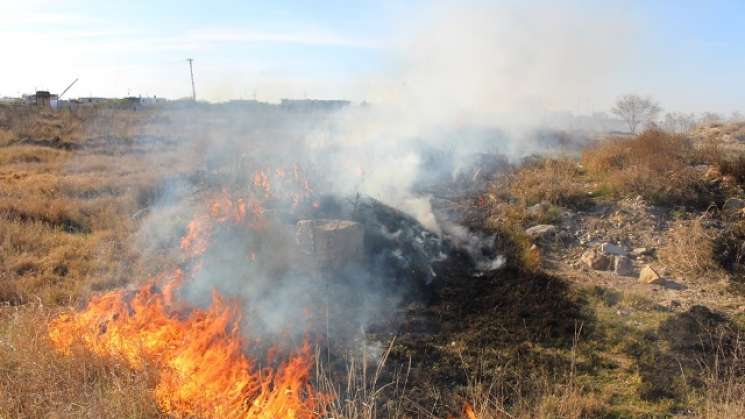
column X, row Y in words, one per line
column 470, row 80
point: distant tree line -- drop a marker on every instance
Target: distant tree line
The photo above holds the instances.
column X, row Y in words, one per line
column 639, row 112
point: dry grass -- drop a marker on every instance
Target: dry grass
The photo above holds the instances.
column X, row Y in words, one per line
column 19, row 123
column 548, row 184
column 556, row 181
column 733, row 164
column 724, row 398
column 362, row 394
column 729, row 248
column 690, row 249
column 67, row 213
column 723, row 393
column 654, row 164
column 38, row 382
column 66, row 226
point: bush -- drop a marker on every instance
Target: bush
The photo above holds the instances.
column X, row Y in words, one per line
column 654, row 164
column 733, row 166
column 729, row 249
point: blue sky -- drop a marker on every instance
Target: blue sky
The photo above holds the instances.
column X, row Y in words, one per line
column 690, row 55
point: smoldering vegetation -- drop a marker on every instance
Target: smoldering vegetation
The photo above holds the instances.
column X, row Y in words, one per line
column 319, row 164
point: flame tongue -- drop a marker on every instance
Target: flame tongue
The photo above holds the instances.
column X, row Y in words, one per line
column 203, row 370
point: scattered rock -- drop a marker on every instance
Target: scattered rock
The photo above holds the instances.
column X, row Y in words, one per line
column 642, row 251
column 649, row 276
column 541, row 231
column 623, row 266
column 595, row 260
column 536, row 210
column 612, row 249
column 733, row 204
column 673, row 285
column 712, row 173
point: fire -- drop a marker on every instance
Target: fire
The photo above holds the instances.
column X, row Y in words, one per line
column 261, row 181
column 468, row 412
column 196, row 239
column 203, row 369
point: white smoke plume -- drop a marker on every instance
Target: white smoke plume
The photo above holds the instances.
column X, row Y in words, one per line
column 473, row 78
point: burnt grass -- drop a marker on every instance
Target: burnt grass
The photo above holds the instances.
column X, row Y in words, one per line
column 514, row 331
column 695, row 345
column 490, row 327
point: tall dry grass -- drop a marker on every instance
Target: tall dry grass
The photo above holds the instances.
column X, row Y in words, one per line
column 654, row 164
column 37, row 382
column 67, row 214
column 558, row 181
column 18, row 123
column 690, row 249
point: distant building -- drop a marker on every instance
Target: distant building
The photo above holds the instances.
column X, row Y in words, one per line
column 44, row 99
column 150, row 101
column 246, row 104
column 313, row 104
column 41, row 98
column 92, row 100
column 10, row 100
column 132, row 102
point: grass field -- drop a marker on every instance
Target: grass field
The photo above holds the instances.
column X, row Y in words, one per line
column 523, row 342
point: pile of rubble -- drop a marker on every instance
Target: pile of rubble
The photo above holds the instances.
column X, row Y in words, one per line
column 622, row 262
column 620, row 238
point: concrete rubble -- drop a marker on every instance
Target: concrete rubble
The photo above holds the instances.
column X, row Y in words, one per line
column 330, row 244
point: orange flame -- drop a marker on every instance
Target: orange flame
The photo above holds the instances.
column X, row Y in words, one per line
column 468, row 411
column 203, row 369
column 196, row 239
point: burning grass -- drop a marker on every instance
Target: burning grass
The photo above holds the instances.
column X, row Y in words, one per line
column 202, row 367
column 199, row 353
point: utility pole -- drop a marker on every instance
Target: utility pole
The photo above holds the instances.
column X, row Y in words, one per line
column 191, row 72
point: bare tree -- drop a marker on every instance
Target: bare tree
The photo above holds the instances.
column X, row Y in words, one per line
column 710, row 118
column 636, row 110
column 679, row 123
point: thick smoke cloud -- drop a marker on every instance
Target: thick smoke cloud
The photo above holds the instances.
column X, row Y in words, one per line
column 469, row 81
column 476, row 77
